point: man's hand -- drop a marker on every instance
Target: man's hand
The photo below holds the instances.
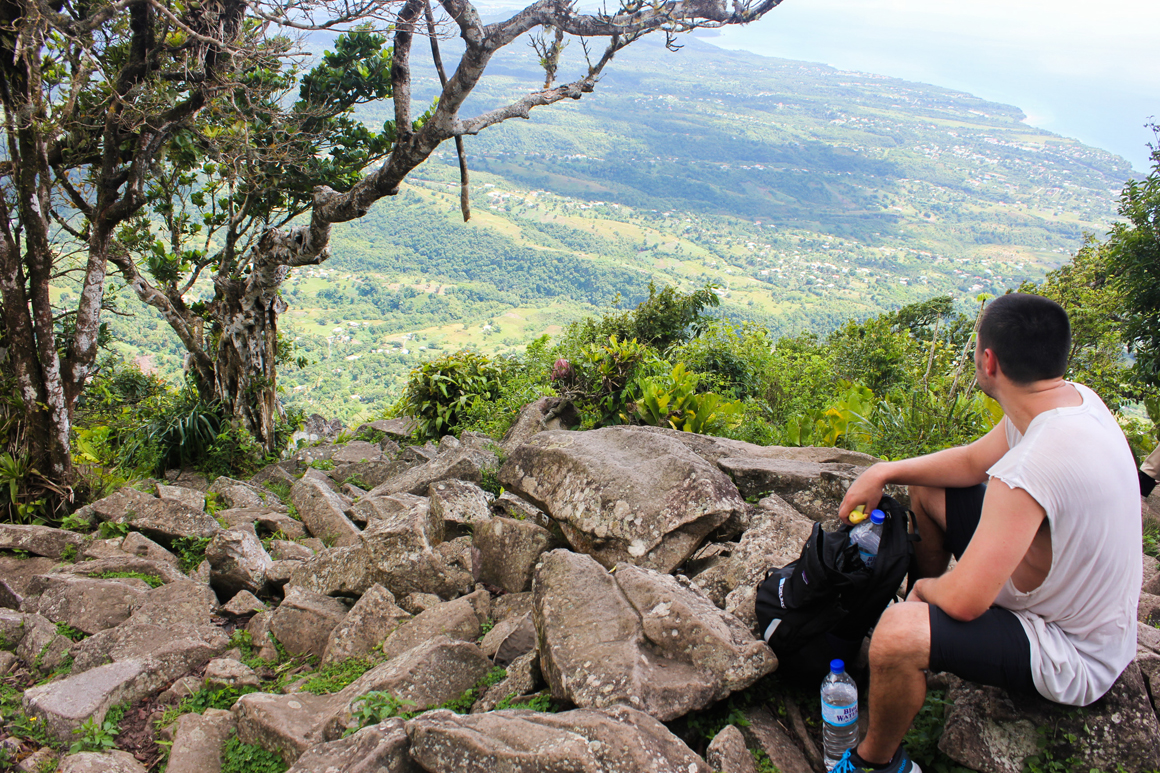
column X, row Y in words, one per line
column 866, row 490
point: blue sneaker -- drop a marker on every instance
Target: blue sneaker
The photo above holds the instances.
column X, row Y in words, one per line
column 899, row 763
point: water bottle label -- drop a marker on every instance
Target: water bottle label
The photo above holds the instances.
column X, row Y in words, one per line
column 867, row 558
column 839, row 716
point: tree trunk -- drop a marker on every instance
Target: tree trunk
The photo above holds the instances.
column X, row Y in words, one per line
column 245, row 377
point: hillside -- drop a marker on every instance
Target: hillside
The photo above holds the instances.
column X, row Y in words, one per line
column 808, row 194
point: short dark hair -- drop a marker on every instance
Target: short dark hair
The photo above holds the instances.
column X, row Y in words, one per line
column 1030, row 336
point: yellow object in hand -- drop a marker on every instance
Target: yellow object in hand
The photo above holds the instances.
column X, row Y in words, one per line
column 858, row 515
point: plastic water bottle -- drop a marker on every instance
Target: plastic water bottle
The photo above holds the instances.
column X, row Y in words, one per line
column 839, row 713
column 867, row 536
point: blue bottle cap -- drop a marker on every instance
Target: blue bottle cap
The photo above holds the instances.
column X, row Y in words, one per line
column 837, row 666
column 877, row 516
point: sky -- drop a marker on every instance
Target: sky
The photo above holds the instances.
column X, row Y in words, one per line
column 1085, row 70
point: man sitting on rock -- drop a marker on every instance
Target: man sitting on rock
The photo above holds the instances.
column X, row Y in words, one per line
column 1042, row 515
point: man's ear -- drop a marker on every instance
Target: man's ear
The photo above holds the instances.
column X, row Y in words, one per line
column 990, row 363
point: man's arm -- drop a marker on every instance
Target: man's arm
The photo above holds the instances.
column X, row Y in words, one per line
column 1009, row 522
column 953, row 468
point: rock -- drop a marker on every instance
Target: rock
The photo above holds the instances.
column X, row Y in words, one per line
column 621, row 495
column 523, row 678
column 401, row 427
column 9, row 598
column 124, row 563
column 40, row 540
column 521, row 510
column 380, row 748
column 379, row 508
column 41, row 648
column 615, row 740
column 237, row 562
column 324, row 512
column 17, row 573
column 137, row 544
column 182, row 688
column 333, row 572
column 813, row 488
column 764, row 732
column 304, row 620
column 509, row 550
column 189, row 497
column 357, row 451
column 187, row 479
column 992, row 731
column 159, row 519
column 501, row 630
column 86, row 604
column 237, row 494
column 352, row 492
column 727, row 753
column 533, row 419
column 280, row 572
column 519, row 641
column 264, row 520
column 115, row 761
column 178, row 603
column 285, row 550
column 460, row 505
column 460, row 620
column 259, row 630
column 320, row 477
column 175, row 649
column 775, row 542
column 66, row 704
column 8, row 661
column 12, row 629
column 428, row 675
column 227, row 672
column 402, row 556
column 198, row 741
column 243, row 603
column 461, row 464
column 1151, row 577
column 510, row 605
column 273, row 477
column 42, row 759
column 370, row 621
column 637, row 637
column 418, row 603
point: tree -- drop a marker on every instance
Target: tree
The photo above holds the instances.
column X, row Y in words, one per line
column 110, row 107
column 1133, row 254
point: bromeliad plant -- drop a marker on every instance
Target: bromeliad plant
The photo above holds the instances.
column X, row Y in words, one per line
column 671, row 400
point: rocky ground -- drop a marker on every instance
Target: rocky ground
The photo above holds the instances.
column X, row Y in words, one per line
column 373, row 605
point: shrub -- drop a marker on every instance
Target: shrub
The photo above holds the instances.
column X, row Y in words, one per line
column 440, row 392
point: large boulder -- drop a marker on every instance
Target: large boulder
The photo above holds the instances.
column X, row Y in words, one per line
column 324, row 512
column 428, row 675
column 403, row 556
column 508, row 551
column 727, row 753
column 304, row 620
column 123, row 563
column 992, row 731
column 86, row 604
column 357, row 451
column 333, row 572
column 638, row 637
column 623, row 496
column 173, row 648
column 373, row 618
column 615, row 740
column 115, row 761
column 198, row 741
column 137, row 544
column 542, row 415
column 463, row 463
column 461, row 505
column 236, row 493
column 39, row 540
column 179, row 603
column 237, row 562
column 460, row 620
column 162, row 520
column 264, row 520
column 380, row 748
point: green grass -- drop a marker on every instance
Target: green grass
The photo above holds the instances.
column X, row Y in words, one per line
column 152, row 581
column 238, row 757
column 334, row 676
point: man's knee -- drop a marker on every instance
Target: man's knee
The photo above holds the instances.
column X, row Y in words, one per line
column 931, row 502
column 902, row 636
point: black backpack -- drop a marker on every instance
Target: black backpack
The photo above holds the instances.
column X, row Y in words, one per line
column 822, row 605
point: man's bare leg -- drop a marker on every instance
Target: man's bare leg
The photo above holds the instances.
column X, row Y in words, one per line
column 899, row 652
column 930, row 511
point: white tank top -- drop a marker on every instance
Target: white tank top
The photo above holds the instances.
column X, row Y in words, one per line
column 1075, row 462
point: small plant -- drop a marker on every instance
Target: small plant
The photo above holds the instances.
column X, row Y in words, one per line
column 112, row 530
column 190, row 551
column 67, row 631
column 485, row 627
column 95, row 736
column 374, row 707
column 238, row 757
column 541, row 701
column 762, row 761
column 440, row 392
column 280, row 489
column 69, row 554
column 333, row 677
column 76, row 522
column 149, row 579
column 214, row 502
column 324, row 465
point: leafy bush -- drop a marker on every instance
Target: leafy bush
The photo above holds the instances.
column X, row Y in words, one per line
column 238, row 757
column 439, row 393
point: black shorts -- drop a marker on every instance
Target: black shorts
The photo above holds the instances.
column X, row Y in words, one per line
column 993, row 648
